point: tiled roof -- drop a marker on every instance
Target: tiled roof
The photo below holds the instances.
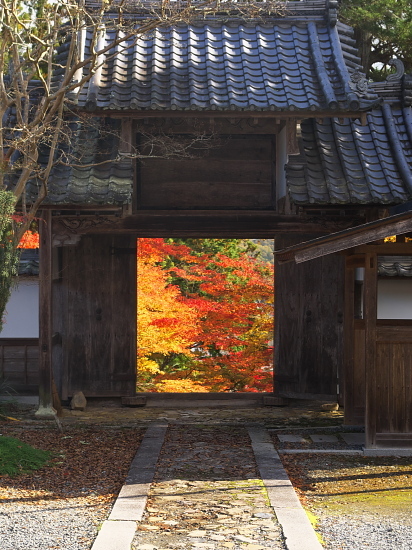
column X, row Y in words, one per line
column 300, row 61
column 344, row 162
column 29, row 262
column 92, row 171
column 395, row 266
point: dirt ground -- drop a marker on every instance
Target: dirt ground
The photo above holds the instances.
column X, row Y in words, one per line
column 92, row 442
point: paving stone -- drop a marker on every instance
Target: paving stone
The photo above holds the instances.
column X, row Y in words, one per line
column 197, row 534
column 291, row 438
column 241, row 538
column 217, row 537
column 316, row 438
column 210, row 509
column 353, row 438
column 262, row 515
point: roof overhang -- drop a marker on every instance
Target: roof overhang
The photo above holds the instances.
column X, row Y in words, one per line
column 346, row 239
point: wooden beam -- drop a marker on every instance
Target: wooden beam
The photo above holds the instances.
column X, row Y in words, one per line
column 397, row 249
column 349, row 238
column 45, row 317
column 280, row 115
column 291, row 137
column 354, row 240
column 355, row 260
column 191, row 223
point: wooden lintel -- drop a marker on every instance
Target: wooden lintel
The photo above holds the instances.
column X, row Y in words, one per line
column 281, row 115
column 194, row 224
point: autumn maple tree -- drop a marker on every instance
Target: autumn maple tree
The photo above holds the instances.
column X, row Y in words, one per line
column 205, row 316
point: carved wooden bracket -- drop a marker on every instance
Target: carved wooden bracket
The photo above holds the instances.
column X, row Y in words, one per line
column 68, row 231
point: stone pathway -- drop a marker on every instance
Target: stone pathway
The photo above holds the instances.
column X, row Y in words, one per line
column 207, row 494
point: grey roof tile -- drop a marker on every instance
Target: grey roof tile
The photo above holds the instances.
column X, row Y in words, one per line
column 345, row 162
column 281, row 64
column 92, row 173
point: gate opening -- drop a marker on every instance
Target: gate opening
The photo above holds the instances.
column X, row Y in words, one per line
column 205, row 315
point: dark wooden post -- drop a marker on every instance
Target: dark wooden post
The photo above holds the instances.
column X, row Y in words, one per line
column 371, row 274
column 45, row 317
column 348, row 332
column 354, row 347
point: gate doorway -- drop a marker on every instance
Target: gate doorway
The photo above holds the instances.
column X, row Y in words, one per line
column 205, row 315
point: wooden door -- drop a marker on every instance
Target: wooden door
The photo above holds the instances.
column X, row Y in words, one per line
column 308, row 325
column 98, row 332
column 388, row 372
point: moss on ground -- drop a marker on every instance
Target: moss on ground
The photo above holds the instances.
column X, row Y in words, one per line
column 16, row 457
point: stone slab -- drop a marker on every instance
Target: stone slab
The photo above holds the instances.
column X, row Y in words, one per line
column 131, row 502
column 115, row 535
column 320, row 451
column 354, row 438
column 297, row 529
column 322, row 438
column 291, row 438
column 275, row 401
column 387, row 452
column 134, row 401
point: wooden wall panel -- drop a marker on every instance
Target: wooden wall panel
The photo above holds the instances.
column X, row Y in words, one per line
column 99, row 337
column 235, row 173
column 19, row 363
column 359, row 373
column 309, row 324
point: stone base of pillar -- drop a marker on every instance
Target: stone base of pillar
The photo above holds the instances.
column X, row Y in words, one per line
column 47, row 413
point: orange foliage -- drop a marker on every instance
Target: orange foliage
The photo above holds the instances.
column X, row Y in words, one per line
column 214, row 330
column 30, row 239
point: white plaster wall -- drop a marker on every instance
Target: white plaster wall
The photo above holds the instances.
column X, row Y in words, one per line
column 395, row 298
column 22, row 313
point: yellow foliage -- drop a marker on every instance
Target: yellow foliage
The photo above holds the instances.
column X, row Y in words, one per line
column 147, row 366
column 180, row 386
column 165, row 324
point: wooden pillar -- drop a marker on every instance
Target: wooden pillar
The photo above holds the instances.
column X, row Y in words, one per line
column 371, row 289
column 45, row 317
column 348, row 351
column 354, row 346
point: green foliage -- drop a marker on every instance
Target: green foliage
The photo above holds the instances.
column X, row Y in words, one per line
column 264, row 250
column 233, row 248
column 16, row 457
column 9, row 255
column 384, row 31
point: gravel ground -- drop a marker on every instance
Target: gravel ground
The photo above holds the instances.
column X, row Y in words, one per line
column 369, row 531
column 61, row 506
column 69, row 525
